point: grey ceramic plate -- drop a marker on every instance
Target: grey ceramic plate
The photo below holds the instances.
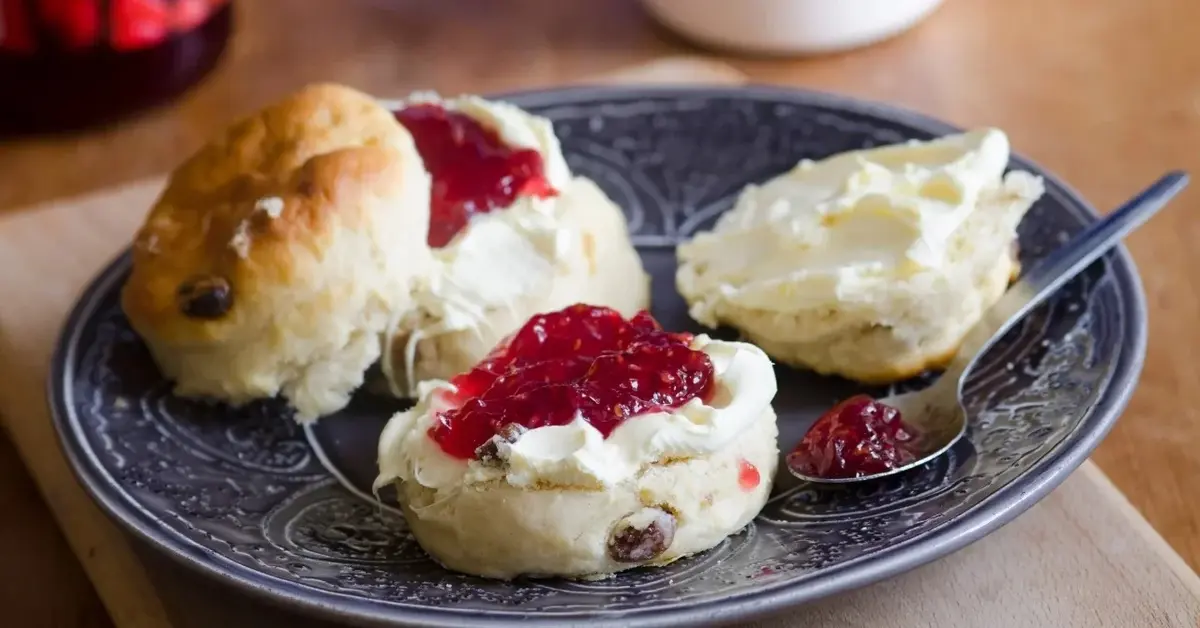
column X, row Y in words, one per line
column 248, row 497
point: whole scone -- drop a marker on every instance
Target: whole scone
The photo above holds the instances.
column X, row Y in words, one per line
column 871, row 265
column 585, row 446
column 566, row 243
column 281, row 251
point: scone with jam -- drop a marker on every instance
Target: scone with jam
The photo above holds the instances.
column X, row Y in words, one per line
column 512, row 233
column 870, row 264
column 327, row 231
column 586, row 444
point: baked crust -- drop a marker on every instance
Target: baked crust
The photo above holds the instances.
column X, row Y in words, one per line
column 308, row 208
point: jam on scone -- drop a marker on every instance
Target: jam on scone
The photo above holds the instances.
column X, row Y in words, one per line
column 584, row 360
column 474, row 171
column 584, row 444
column 512, row 231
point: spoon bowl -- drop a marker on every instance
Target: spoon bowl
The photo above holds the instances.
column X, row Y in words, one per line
column 936, row 413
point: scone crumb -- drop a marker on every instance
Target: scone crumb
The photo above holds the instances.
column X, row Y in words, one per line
column 589, row 252
column 149, row 243
column 240, row 242
column 271, row 205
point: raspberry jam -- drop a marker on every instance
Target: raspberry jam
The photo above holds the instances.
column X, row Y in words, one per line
column 857, row 437
column 748, row 475
column 583, row 360
column 473, row 170
column 71, row 64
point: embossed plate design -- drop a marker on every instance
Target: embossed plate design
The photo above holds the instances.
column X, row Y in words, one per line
column 249, row 497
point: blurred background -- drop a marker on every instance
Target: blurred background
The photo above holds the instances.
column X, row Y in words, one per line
column 971, row 61
column 1104, row 92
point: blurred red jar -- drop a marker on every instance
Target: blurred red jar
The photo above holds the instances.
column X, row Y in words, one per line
column 70, row 64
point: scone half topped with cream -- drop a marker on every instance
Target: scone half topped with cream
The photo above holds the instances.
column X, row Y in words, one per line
column 512, row 232
column 281, row 251
column 871, row 264
column 586, row 444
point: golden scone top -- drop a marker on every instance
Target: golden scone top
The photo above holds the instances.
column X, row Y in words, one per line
column 279, row 253
column 258, row 203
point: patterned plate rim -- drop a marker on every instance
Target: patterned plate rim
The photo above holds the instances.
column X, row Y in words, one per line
column 994, row 511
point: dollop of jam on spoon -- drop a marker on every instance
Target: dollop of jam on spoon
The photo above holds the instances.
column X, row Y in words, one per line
column 857, row 437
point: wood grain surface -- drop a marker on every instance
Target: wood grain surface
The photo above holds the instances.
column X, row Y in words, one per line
column 1107, row 94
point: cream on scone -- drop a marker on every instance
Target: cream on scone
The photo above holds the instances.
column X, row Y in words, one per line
column 279, row 253
column 871, row 264
column 531, row 251
column 542, row 461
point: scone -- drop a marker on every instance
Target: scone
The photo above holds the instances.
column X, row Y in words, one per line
column 513, row 233
column 871, row 264
column 279, row 253
column 584, row 445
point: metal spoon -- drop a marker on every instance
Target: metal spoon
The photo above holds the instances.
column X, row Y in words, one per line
column 937, row 413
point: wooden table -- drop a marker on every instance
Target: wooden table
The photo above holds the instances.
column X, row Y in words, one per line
column 1107, row 94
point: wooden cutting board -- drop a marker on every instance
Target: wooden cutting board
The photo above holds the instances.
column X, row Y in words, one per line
column 1083, row 557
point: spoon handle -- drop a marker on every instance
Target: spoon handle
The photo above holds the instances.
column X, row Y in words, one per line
column 1060, row 266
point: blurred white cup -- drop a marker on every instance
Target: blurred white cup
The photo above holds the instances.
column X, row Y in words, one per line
column 790, row 26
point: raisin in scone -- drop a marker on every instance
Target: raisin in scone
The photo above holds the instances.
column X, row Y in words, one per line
column 512, row 233
column 280, row 253
column 870, row 264
column 584, row 445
